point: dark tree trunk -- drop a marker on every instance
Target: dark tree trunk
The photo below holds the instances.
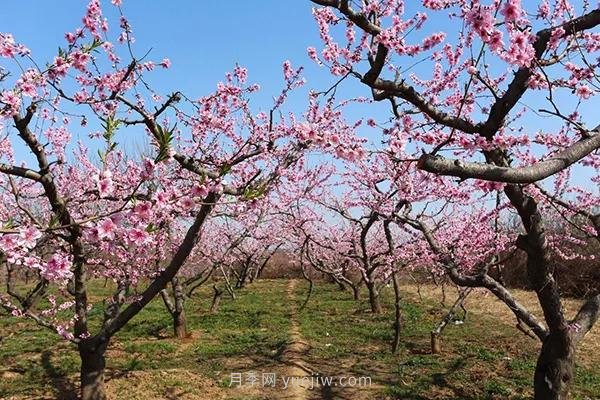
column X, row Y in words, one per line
column 179, row 319
column 554, row 371
column 93, row 363
column 243, row 276
column 436, row 343
column 374, row 300
column 176, row 308
column 355, row 292
column 180, row 325
column 306, row 276
column 214, row 307
column 398, row 313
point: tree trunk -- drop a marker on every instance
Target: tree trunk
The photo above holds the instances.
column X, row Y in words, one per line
column 355, row 292
column 243, row 276
column 176, row 308
column 214, row 307
column 180, row 325
column 398, row 313
column 306, row 276
column 374, row 298
column 93, row 363
column 554, row 371
column 436, row 343
column 179, row 319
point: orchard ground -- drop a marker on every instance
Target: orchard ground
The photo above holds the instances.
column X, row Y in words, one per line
column 262, row 331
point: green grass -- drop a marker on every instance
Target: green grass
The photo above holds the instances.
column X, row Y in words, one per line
column 481, row 359
column 255, row 324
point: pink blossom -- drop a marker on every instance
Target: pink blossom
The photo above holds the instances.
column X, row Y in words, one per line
column 143, row 210
column 312, row 53
column 512, row 10
column 64, row 332
column 29, row 236
column 287, row 70
column 186, row 203
column 105, row 183
column 79, row 60
column 59, row 68
column 165, row 63
column 199, row 191
column 240, row 73
column 436, row 4
column 106, row 229
column 58, row 139
column 105, row 187
column 584, row 92
column 521, row 50
column 138, row 236
column 12, row 101
column 8, row 242
column 31, row 262
column 481, row 20
column 147, row 168
column 58, row 268
column 70, row 37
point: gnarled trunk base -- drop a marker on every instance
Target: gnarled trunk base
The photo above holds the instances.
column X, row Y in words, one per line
column 180, row 325
column 554, row 371
column 92, row 370
column 374, row 298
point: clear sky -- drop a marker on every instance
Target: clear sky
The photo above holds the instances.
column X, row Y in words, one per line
column 203, row 39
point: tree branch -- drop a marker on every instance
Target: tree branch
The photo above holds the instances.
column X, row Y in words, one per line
column 529, row 174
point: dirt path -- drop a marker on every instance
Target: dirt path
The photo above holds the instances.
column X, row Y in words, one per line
column 293, row 356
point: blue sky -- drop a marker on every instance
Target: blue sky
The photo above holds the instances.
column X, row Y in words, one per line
column 204, row 39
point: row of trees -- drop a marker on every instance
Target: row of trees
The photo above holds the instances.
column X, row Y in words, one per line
column 223, row 187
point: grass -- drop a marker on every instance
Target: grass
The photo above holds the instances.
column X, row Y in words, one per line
column 484, row 358
column 37, row 364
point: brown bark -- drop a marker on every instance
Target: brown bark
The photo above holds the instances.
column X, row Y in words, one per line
column 355, row 292
column 374, row 300
column 398, row 312
column 436, row 343
column 176, row 308
column 92, row 354
column 180, row 325
column 214, row 307
column 554, row 371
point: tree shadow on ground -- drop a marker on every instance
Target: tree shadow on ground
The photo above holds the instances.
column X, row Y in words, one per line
column 64, row 389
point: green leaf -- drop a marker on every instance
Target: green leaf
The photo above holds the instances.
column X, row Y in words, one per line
column 110, row 125
column 151, row 228
column 225, row 169
column 251, row 193
column 164, row 137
